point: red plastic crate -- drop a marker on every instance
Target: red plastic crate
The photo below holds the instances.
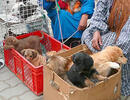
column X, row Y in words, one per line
column 30, row 75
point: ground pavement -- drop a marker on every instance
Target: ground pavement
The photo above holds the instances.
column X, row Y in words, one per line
column 11, row 88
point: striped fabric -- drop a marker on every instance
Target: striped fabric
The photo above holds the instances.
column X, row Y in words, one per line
column 99, row 22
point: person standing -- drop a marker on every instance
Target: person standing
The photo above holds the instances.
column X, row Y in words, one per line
column 70, row 23
column 99, row 34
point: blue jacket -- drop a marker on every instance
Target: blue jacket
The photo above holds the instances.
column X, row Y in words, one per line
column 69, row 23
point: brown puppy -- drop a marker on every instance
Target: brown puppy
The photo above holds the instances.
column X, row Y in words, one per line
column 32, row 42
column 58, row 64
column 51, row 53
column 106, row 59
column 34, row 57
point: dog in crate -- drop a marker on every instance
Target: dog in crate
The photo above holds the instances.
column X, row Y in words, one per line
column 82, row 71
column 108, row 59
column 32, row 42
column 34, row 57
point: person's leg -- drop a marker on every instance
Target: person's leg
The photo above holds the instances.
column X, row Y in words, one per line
column 124, row 43
column 124, row 98
column 72, row 42
column 75, row 42
column 125, row 89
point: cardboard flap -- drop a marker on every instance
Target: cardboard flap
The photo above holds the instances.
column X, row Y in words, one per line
column 58, row 83
column 76, row 49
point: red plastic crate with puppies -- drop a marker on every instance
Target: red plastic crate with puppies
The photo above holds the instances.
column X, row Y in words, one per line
column 63, row 87
column 20, row 60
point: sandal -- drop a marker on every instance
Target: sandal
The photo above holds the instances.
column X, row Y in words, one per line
column 1, row 63
column 124, row 98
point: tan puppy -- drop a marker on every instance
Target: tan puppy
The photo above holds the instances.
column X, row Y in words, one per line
column 108, row 58
column 58, row 64
column 34, row 57
column 32, row 42
column 51, row 53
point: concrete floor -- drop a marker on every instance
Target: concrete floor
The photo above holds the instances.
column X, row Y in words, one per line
column 11, row 88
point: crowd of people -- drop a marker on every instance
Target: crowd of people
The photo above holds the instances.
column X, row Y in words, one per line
column 69, row 20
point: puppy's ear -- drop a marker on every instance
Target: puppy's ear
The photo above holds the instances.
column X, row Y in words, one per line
column 23, row 52
column 34, row 53
column 75, row 59
column 15, row 41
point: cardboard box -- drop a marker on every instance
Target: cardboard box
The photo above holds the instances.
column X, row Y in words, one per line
column 56, row 88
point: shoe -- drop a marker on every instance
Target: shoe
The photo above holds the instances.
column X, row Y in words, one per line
column 1, row 63
column 125, row 98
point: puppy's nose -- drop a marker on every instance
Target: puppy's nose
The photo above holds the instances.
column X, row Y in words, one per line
column 126, row 60
column 27, row 58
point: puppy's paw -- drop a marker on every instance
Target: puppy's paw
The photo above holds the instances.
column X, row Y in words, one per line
column 114, row 65
column 101, row 78
column 89, row 83
column 105, row 79
column 8, row 47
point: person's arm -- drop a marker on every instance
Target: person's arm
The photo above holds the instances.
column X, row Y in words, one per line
column 87, row 10
column 99, row 18
column 83, row 22
column 99, row 23
column 48, row 4
column 87, row 7
column 96, row 40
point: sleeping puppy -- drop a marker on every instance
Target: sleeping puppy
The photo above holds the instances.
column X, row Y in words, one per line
column 58, row 64
column 34, row 57
column 107, row 59
column 82, row 70
column 32, row 42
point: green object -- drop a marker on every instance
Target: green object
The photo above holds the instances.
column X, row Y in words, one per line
column 43, row 49
column 58, row 7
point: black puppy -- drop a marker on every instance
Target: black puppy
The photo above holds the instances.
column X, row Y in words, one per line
column 82, row 70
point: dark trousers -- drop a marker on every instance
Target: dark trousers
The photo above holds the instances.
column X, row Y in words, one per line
column 72, row 42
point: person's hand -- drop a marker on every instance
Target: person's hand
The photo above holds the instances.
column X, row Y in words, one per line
column 97, row 40
column 83, row 22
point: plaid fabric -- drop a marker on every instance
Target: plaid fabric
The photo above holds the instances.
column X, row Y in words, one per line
column 99, row 22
